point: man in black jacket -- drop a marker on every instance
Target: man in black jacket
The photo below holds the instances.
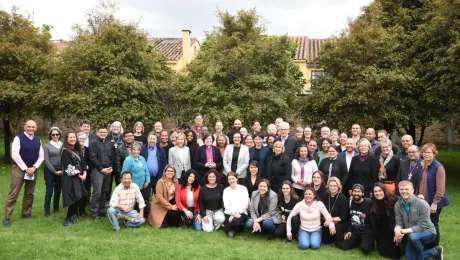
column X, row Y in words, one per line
column 101, row 169
column 408, row 169
column 290, row 143
column 124, row 150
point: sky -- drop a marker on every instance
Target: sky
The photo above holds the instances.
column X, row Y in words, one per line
column 166, row 18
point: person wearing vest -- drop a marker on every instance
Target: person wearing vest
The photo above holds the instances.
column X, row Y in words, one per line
column 28, row 155
column 432, row 185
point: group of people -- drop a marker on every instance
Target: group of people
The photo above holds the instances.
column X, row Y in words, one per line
column 349, row 191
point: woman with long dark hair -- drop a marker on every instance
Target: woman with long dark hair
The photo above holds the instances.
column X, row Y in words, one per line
column 264, row 213
column 187, row 195
column 287, row 199
column 192, row 143
column 73, row 176
column 251, row 181
column 383, row 216
column 210, row 200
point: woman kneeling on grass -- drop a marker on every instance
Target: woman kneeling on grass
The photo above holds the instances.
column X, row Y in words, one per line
column 265, row 215
column 287, row 200
column 187, row 194
column 210, row 200
column 310, row 212
column 236, row 202
column 163, row 210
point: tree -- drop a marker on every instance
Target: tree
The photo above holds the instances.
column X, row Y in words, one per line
column 240, row 73
column 371, row 72
column 107, row 72
column 24, row 55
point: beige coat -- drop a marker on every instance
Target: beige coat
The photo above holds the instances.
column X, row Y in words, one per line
column 160, row 204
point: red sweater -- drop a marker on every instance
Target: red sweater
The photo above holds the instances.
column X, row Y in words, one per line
column 181, row 198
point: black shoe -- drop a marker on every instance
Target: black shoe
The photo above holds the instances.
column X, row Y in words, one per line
column 47, row 214
column 440, row 255
column 69, row 222
column 27, row 216
column 6, row 222
column 74, row 218
column 83, row 215
column 231, row 233
column 95, row 217
column 103, row 215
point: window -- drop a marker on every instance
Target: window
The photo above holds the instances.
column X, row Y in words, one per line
column 314, row 76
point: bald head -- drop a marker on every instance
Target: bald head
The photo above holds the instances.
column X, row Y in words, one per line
column 406, row 141
column 30, row 127
column 237, row 124
column 370, row 134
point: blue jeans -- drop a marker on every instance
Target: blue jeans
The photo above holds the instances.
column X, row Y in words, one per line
column 113, row 213
column 267, row 225
column 196, row 226
column 416, row 241
column 309, row 239
column 52, row 183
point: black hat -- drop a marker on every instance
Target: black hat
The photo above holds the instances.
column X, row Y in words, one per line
column 358, row 186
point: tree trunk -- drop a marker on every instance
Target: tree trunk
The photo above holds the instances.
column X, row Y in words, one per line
column 450, row 141
column 410, row 130
column 7, row 141
column 422, row 133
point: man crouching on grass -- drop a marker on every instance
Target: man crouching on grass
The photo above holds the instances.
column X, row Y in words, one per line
column 413, row 222
column 122, row 202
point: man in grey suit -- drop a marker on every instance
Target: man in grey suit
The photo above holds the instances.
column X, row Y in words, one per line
column 290, row 143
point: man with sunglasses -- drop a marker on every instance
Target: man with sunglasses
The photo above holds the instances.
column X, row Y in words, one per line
column 28, row 155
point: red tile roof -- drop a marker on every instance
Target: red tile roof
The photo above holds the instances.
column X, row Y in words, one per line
column 171, row 47
column 307, row 49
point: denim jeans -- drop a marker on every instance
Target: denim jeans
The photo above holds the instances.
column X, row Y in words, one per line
column 309, row 239
column 113, row 213
column 53, row 183
column 267, row 225
column 196, row 226
column 414, row 245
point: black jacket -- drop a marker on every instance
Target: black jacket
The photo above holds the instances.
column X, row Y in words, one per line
column 279, row 170
column 200, row 160
column 121, row 153
column 404, row 171
column 73, row 189
column 100, row 154
column 290, row 146
column 161, row 157
column 338, row 169
column 365, row 173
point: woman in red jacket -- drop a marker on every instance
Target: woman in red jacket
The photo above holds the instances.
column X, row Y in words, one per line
column 187, row 193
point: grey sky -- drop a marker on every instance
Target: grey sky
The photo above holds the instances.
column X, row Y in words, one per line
column 312, row 18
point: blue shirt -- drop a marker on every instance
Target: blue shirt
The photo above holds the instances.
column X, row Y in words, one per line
column 152, row 161
column 138, row 169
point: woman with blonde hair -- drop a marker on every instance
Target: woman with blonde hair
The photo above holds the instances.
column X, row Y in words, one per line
column 163, row 210
column 279, row 166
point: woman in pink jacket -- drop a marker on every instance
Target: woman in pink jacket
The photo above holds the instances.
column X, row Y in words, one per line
column 302, row 171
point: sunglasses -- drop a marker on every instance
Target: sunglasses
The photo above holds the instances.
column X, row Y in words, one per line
column 55, row 134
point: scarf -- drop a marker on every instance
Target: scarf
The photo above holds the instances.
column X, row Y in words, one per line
column 385, row 161
column 363, row 158
column 302, row 163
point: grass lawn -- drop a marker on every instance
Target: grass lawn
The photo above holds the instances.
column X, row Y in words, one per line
column 47, row 238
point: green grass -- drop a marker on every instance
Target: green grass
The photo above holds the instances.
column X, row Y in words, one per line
column 47, row 238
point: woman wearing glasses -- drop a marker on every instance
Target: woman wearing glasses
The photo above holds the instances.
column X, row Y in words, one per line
column 52, row 154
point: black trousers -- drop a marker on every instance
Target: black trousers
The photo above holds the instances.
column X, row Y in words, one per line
column 337, row 238
column 146, row 196
column 114, row 176
column 172, row 219
column 237, row 224
column 280, row 230
column 364, row 240
column 73, row 209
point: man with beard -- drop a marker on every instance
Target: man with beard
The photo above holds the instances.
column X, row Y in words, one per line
column 219, row 131
column 235, row 129
column 408, row 169
column 124, row 150
column 413, row 221
column 360, row 230
column 348, row 154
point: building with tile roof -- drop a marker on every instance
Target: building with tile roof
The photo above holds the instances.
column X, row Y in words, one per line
column 174, row 49
column 305, row 57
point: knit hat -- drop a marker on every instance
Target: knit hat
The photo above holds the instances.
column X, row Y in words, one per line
column 358, row 186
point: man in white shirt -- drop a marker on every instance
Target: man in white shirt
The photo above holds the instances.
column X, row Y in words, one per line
column 349, row 153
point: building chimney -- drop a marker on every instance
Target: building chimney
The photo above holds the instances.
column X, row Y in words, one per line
column 186, row 47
